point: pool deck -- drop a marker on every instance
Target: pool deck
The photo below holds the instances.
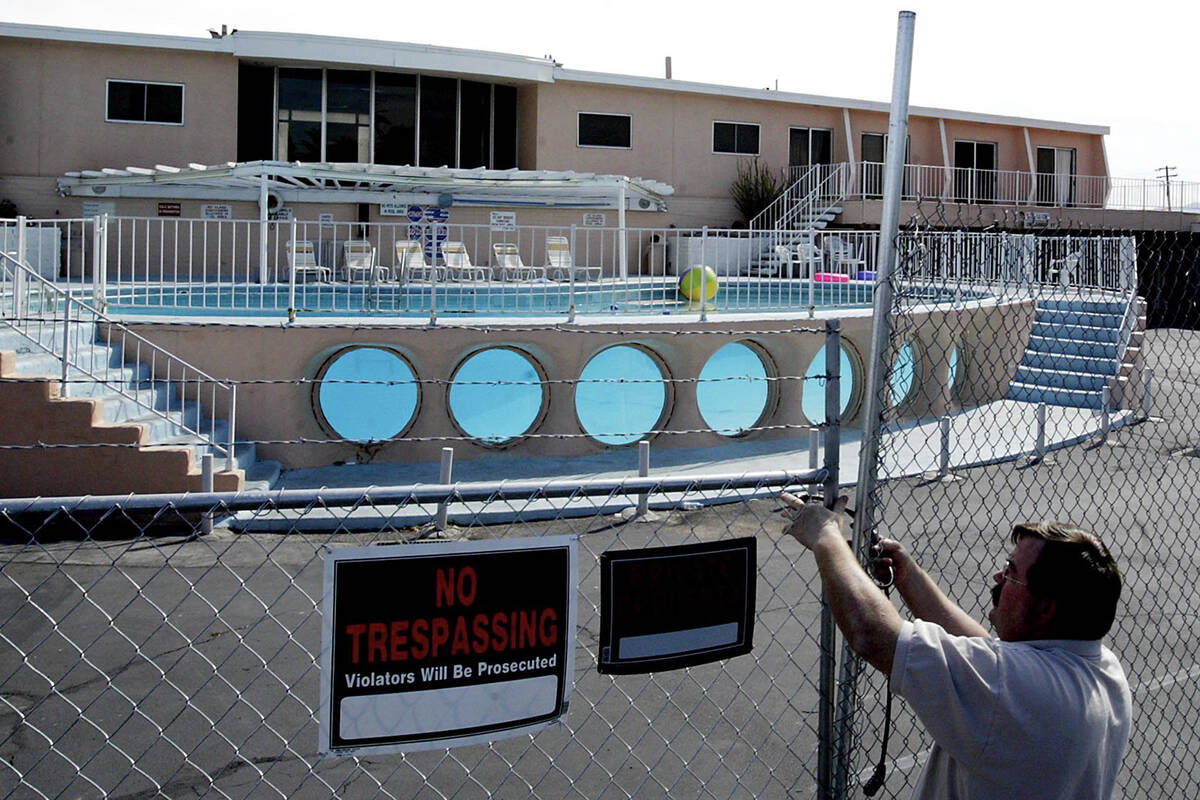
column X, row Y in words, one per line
column 978, row 436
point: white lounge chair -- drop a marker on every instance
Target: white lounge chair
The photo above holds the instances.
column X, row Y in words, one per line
column 459, row 266
column 303, row 263
column 843, row 257
column 804, row 255
column 507, row 260
column 1063, row 269
column 411, row 264
column 562, row 265
column 358, row 262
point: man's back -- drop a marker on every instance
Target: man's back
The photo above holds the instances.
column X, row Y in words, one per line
column 1034, row 719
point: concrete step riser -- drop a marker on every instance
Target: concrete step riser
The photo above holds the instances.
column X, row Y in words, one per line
column 1087, row 306
column 1055, row 397
column 1061, row 380
column 1039, row 345
column 1076, row 333
column 1080, row 319
column 1057, row 362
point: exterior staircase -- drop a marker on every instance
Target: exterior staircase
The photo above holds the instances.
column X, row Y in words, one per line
column 801, row 211
column 112, row 401
column 1076, row 349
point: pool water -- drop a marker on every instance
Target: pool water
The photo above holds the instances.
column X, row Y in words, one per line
column 656, row 297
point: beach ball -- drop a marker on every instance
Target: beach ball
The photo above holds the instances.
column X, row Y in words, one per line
column 696, row 280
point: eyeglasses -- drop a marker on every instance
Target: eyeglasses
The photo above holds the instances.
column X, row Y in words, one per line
column 1009, row 571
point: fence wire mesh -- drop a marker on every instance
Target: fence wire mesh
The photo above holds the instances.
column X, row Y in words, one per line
column 1114, row 370
column 142, row 658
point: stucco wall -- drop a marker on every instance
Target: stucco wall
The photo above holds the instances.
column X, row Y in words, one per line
column 284, row 411
column 52, row 108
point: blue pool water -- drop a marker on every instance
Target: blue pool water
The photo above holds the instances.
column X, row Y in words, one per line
column 658, row 297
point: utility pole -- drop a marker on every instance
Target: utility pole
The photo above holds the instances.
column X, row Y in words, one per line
column 1167, row 175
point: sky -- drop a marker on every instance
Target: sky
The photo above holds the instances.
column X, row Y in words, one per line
column 1131, row 66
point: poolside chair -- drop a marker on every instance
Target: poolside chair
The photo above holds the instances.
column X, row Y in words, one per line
column 459, row 266
column 805, row 255
column 358, row 262
column 507, row 258
column 1063, row 269
column 411, row 265
column 303, row 263
column 561, row 264
column 844, row 258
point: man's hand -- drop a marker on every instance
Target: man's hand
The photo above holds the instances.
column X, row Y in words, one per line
column 811, row 521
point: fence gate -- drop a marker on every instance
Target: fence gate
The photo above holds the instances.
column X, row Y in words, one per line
column 1101, row 407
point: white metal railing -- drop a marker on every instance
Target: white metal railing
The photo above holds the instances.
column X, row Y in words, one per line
column 605, row 271
column 82, row 339
column 811, row 191
column 1011, row 187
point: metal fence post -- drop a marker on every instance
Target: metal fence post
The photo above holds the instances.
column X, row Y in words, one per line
column 814, row 448
column 643, row 506
column 1147, row 397
column 444, row 477
column 826, row 736
column 876, row 385
column 571, row 279
column 19, row 299
column 206, row 486
column 63, row 390
column 292, row 277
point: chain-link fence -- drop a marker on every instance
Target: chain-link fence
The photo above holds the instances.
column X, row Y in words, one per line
column 1120, row 359
column 142, row 658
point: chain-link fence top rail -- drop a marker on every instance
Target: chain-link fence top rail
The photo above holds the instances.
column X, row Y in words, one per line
column 181, row 665
column 1136, row 487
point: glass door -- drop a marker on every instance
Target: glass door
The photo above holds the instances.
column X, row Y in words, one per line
column 975, row 172
column 1056, row 176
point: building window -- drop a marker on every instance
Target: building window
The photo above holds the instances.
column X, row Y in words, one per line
column 389, row 118
column 738, row 138
column 809, row 146
column 140, row 101
column 605, row 130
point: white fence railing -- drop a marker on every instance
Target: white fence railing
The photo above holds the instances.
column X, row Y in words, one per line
column 194, row 267
column 91, row 348
column 1008, row 187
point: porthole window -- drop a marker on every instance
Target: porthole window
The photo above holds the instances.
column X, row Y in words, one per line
column 621, row 395
column 496, row 395
column 813, row 404
column 733, row 389
column 367, row 394
column 903, row 378
column 952, row 374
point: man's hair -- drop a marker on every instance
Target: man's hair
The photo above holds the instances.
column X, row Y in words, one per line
column 1075, row 570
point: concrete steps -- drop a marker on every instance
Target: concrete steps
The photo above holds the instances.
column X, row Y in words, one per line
column 1073, row 354
column 118, row 400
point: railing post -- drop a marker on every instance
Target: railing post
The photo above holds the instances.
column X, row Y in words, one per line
column 292, row 276
column 814, row 451
column 98, row 268
column 1039, row 447
column 943, row 447
column 19, row 298
column 703, row 273
column 444, row 478
column 64, row 390
column 432, row 231
column 1105, row 413
column 571, row 279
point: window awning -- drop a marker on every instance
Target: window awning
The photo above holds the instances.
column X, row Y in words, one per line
column 298, row 182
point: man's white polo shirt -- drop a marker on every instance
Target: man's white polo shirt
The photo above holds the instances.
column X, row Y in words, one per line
column 1043, row 719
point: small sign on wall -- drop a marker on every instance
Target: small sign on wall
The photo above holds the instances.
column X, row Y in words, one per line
column 281, row 215
column 94, row 208
column 504, row 221
column 168, row 209
column 594, row 220
column 216, row 211
column 325, row 219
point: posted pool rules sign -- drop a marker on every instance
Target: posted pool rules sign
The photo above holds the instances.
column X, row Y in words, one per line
column 444, row 644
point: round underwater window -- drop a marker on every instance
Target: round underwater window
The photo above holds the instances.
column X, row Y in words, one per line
column 496, row 395
column 620, row 395
column 367, row 394
column 733, row 389
column 813, row 404
column 903, row 378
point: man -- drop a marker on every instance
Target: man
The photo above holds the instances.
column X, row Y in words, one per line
column 1042, row 711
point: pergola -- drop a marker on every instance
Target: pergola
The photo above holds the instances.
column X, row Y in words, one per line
column 273, row 183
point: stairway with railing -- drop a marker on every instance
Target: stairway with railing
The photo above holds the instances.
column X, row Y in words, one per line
column 809, row 203
column 130, row 394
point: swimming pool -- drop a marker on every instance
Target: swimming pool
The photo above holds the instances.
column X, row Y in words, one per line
column 639, row 296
